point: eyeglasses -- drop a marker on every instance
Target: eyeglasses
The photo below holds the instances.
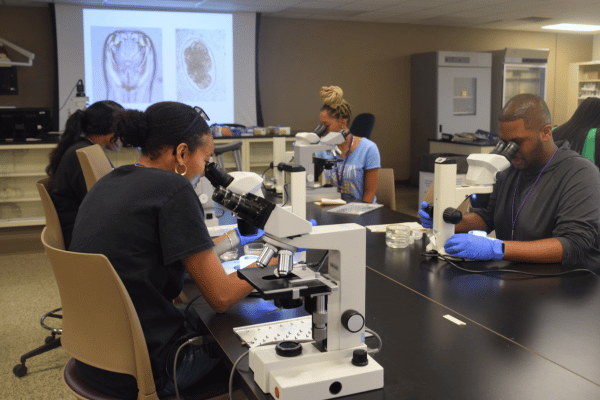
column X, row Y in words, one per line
column 199, row 113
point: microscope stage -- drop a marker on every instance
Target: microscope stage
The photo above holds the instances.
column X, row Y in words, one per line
column 298, row 283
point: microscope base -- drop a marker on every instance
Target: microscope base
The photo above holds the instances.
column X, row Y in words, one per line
column 313, row 374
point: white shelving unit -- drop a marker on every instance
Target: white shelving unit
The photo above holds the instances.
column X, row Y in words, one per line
column 584, row 82
column 257, row 152
column 22, row 165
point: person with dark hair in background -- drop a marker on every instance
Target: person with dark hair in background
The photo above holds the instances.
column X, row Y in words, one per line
column 544, row 208
column 356, row 176
column 148, row 221
column 581, row 129
column 67, row 186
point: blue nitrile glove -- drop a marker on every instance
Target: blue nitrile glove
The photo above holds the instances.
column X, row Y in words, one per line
column 474, row 247
column 426, row 219
column 314, row 223
column 244, row 240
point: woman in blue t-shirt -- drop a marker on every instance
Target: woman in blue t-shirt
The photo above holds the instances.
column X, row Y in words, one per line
column 356, row 176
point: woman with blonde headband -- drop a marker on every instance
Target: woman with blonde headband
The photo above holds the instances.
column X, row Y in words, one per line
column 355, row 176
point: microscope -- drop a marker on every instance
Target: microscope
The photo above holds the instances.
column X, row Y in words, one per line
column 307, row 144
column 335, row 363
column 237, row 181
column 480, row 179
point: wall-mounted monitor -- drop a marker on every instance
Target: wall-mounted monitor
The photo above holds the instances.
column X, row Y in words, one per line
column 18, row 125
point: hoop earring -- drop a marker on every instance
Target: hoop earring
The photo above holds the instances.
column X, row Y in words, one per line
column 181, row 173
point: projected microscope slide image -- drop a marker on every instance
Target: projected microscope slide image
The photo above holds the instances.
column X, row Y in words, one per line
column 131, row 64
column 200, row 59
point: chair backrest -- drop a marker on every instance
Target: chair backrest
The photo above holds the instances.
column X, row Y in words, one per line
column 386, row 188
column 100, row 325
column 94, row 164
column 363, row 125
column 52, row 221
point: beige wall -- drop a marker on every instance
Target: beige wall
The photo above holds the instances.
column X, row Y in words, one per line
column 30, row 28
column 371, row 62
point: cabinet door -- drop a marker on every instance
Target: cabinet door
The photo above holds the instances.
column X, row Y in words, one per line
column 523, row 78
column 463, row 99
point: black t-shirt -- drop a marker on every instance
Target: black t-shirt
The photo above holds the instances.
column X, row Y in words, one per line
column 145, row 221
column 69, row 188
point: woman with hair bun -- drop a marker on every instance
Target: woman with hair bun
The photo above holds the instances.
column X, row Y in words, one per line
column 356, row 176
column 67, row 186
column 147, row 220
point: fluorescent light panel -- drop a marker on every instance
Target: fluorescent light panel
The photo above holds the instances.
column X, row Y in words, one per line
column 573, row 27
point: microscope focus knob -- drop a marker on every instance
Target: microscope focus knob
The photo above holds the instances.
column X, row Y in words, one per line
column 452, row 216
column 360, row 358
column 353, row 321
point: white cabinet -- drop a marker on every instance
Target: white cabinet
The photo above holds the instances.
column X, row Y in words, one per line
column 257, row 152
column 450, row 93
column 516, row 71
column 584, row 82
column 21, row 166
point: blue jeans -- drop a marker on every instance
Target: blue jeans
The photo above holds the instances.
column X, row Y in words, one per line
column 195, row 364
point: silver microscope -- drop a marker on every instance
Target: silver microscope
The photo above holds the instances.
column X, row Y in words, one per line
column 335, row 363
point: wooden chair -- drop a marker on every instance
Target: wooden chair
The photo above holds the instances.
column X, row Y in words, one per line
column 94, row 164
column 54, row 230
column 386, row 188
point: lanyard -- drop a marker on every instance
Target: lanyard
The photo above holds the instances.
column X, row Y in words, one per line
column 513, row 216
column 337, row 173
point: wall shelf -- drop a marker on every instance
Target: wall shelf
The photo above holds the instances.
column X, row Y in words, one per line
column 580, row 84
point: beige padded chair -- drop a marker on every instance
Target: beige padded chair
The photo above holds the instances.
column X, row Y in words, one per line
column 386, row 188
column 100, row 324
column 94, row 164
column 54, row 229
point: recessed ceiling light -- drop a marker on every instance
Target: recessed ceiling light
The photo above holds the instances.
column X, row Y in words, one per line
column 573, row 27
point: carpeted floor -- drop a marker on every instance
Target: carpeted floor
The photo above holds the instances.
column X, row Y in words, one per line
column 28, row 291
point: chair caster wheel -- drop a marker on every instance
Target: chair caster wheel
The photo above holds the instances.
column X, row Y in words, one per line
column 20, row 370
column 48, row 339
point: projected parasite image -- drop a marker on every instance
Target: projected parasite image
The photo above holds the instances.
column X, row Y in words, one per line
column 130, row 66
column 198, row 61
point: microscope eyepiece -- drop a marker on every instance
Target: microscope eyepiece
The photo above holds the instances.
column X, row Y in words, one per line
column 248, row 207
column 216, row 176
column 320, row 130
column 499, row 147
column 507, row 150
column 510, row 150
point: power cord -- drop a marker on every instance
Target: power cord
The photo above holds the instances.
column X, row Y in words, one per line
column 434, row 253
column 378, row 349
column 286, row 194
column 198, row 340
column 68, row 97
